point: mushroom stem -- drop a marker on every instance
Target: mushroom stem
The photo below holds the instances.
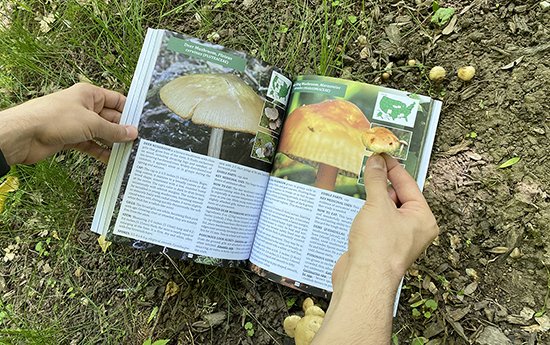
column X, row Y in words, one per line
column 326, row 177
column 215, row 144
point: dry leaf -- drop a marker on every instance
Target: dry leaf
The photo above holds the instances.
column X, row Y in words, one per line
column 46, row 268
column 10, row 185
column 544, row 322
column 470, row 288
column 9, row 257
column 78, row 272
column 104, row 244
column 498, row 250
column 532, row 328
column 449, row 28
column 171, row 289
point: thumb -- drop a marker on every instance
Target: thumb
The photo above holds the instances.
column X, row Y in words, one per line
column 376, row 178
column 113, row 132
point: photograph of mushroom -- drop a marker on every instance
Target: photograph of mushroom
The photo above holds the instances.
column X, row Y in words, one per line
column 272, row 117
column 264, row 147
column 393, row 141
column 220, row 101
column 325, row 136
column 207, row 108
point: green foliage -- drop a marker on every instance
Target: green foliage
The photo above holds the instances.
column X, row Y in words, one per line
column 417, row 341
column 153, row 314
column 431, row 304
column 394, row 339
column 509, row 162
column 442, row 15
column 157, row 342
column 290, row 302
column 435, row 6
column 220, row 3
column 249, row 327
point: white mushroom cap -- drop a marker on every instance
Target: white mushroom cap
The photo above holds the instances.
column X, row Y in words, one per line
column 271, row 113
column 466, row 73
column 216, row 100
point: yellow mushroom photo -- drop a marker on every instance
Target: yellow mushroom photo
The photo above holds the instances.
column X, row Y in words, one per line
column 327, row 137
column 382, row 139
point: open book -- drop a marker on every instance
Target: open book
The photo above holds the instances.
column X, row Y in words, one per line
column 240, row 164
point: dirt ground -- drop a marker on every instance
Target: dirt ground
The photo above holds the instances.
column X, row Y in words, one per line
column 487, row 271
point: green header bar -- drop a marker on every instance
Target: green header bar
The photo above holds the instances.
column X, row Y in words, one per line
column 206, row 53
column 322, row 87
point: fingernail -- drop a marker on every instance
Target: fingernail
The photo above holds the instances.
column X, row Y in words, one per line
column 376, row 161
column 131, row 132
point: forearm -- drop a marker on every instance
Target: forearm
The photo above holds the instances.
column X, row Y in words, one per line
column 361, row 310
column 14, row 134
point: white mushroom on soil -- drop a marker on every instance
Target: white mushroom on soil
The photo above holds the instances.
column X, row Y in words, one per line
column 306, row 329
column 290, row 325
column 466, row 73
column 221, row 101
column 303, row 329
column 327, row 136
column 380, row 139
column 437, row 74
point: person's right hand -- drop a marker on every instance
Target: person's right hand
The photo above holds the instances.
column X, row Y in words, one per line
column 395, row 224
column 392, row 229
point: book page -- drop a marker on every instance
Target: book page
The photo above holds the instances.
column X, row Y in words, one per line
column 208, row 123
column 317, row 183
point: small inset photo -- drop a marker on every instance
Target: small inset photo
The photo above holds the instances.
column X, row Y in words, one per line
column 264, row 147
column 361, row 178
column 272, row 117
column 393, row 141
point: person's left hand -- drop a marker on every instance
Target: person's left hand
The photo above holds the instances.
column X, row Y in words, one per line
column 70, row 119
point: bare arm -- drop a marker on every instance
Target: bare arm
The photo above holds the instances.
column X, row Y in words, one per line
column 68, row 119
column 391, row 230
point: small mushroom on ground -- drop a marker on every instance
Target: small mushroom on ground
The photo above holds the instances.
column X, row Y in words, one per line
column 437, row 74
column 466, row 73
column 290, row 325
column 380, row 139
column 308, row 302
column 315, row 310
column 327, row 136
column 306, row 329
column 221, row 101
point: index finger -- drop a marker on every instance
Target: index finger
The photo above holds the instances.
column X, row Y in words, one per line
column 404, row 185
column 108, row 99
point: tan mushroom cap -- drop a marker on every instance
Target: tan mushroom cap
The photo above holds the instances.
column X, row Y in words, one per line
column 315, row 310
column 290, row 325
column 306, row 329
column 216, row 100
column 308, row 302
column 329, row 133
column 379, row 139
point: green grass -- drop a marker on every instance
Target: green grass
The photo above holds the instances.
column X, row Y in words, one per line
column 49, row 216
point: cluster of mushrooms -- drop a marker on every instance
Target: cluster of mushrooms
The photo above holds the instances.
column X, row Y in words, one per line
column 303, row 329
column 273, row 116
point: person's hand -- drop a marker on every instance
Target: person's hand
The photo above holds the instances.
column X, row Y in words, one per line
column 394, row 226
column 392, row 229
column 70, row 119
